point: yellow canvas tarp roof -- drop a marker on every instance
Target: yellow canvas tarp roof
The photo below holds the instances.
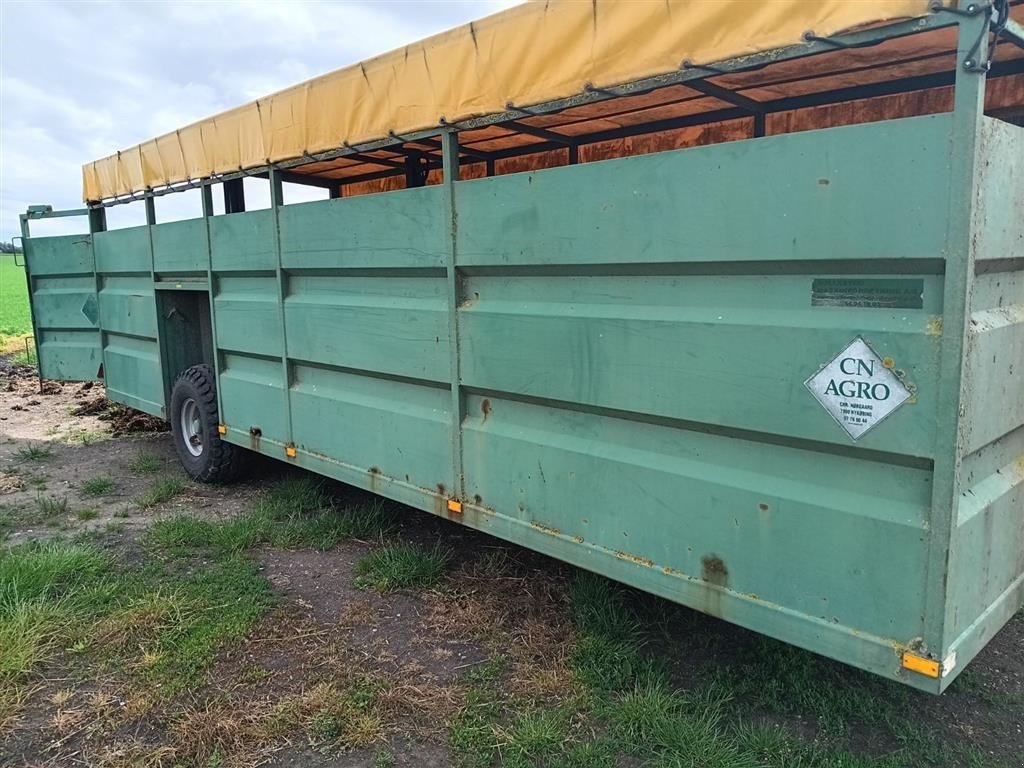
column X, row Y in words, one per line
column 529, row 54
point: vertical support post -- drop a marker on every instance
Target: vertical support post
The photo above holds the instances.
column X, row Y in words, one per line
column 25, row 236
column 97, row 220
column 415, row 171
column 489, row 166
column 234, row 196
column 211, row 287
column 161, row 358
column 574, row 154
column 450, row 160
column 968, row 110
column 276, row 201
column 97, row 224
column 759, row 124
column 207, row 196
column 335, row 192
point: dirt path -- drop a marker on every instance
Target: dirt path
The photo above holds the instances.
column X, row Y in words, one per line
column 485, row 667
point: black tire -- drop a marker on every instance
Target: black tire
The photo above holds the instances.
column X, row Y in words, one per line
column 194, row 421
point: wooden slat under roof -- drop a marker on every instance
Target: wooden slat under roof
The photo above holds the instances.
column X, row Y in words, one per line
column 895, row 78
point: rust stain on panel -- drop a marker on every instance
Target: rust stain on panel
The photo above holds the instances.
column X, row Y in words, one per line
column 714, row 571
column 634, row 558
column 545, row 528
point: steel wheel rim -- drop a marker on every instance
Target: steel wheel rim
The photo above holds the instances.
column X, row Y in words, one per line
column 191, row 427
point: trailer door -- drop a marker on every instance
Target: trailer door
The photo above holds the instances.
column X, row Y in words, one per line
column 62, row 291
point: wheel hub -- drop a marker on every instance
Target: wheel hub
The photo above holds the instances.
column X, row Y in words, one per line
column 191, row 427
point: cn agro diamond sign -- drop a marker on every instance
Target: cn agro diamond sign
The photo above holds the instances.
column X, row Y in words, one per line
column 857, row 389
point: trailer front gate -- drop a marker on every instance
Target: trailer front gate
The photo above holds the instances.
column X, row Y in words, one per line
column 614, row 363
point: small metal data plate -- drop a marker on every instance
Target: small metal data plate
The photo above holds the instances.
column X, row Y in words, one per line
column 868, row 293
column 857, row 388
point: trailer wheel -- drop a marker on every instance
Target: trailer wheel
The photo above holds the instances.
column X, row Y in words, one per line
column 194, row 421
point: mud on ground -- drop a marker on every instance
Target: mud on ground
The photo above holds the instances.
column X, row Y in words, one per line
column 425, row 650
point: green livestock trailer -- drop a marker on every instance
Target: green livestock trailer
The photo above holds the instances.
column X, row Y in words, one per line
column 722, row 300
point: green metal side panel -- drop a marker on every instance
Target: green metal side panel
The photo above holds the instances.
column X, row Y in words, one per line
column 636, row 335
column 127, row 307
column 808, row 196
column 404, row 229
column 247, row 317
column 64, row 307
column 986, row 559
column 633, row 341
column 366, row 318
column 180, row 248
column 243, row 242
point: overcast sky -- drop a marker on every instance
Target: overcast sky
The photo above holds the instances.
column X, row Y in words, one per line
column 80, row 80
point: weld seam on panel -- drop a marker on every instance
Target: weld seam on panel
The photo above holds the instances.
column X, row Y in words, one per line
column 989, row 490
column 366, row 301
column 383, row 272
column 269, row 273
column 996, row 318
column 734, row 317
column 895, row 267
column 385, row 375
column 138, row 336
column 47, row 275
column 1014, row 432
column 253, row 355
column 65, row 328
column 800, row 443
column 997, row 265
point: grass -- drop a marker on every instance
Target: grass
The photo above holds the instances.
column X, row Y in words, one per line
column 87, row 513
column 33, row 453
column 85, row 437
column 49, row 507
column 24, row 353
column 97, row 486
column 15, row 319
column 146, row 463
column 627, row 709
column 165, row 626
column 401, row 566
column 162, row 491
column 294, row 513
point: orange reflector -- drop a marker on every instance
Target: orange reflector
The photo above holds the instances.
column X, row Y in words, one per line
column 921, row 665
column 289, row 451
column 455, row 506
column 222, row 429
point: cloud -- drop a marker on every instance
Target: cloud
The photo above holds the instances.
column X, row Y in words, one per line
column 79, row 81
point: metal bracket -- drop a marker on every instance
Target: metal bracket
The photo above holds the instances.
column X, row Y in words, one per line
column 22, row 239
column 1012, row 32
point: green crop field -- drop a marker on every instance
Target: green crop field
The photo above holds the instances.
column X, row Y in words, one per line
column 15, row 320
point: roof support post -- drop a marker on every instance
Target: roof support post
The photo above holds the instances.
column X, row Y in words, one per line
column 97, row 220
column 234, row 196
column 207, row 194
column 276, row 201
column 416, row 170
column 211, row 286
column 150, row 203
column 1013, row 32
column 450, row 158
